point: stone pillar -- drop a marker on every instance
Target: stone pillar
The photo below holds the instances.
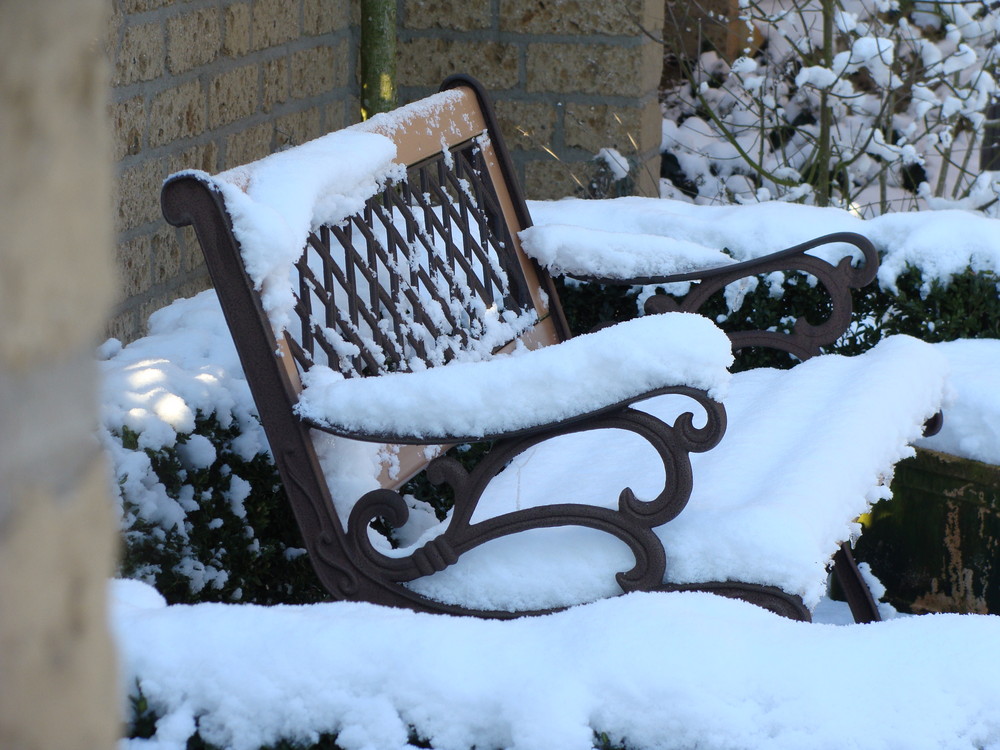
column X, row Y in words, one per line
column 568, row 78
column 57, row 671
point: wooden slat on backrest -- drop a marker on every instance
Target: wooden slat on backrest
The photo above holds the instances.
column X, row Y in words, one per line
column 431, row 270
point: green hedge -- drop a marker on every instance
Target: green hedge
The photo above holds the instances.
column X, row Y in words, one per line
column 968, row 306
column 254, row 542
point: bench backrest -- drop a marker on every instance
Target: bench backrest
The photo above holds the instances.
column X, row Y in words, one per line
column 430, row 270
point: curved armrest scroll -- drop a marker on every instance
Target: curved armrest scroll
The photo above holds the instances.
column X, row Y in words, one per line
column 806, row 339
column 523, row 393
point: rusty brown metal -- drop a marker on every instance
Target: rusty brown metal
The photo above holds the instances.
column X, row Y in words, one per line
column 806, row 339
column 447, row 232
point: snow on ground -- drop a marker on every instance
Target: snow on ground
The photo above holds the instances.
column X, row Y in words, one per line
column 655, row 670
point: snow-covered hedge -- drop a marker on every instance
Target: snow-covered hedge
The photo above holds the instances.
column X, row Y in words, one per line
column 203, row 513
column 872, row 104
column 939, row 279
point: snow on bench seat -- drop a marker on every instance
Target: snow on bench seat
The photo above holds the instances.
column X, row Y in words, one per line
column 805, row 453
column 515, row 392
column 766, row 508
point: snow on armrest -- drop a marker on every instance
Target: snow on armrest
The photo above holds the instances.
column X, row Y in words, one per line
column 594, row 253
column 525, row 390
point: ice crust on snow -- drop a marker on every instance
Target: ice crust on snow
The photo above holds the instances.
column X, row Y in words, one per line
column 665, row 671
column 526, row 389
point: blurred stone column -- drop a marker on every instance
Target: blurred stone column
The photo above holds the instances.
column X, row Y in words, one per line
column 57, row 671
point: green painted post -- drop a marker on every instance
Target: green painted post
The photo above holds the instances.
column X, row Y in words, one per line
column 378, row 56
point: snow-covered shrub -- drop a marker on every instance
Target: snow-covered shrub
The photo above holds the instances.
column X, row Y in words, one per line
column 875, row 105
column 967, row 306
column 613, row 176
column 203, row 514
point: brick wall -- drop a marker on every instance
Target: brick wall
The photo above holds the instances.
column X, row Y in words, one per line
column 568, row 78
column 210, row 84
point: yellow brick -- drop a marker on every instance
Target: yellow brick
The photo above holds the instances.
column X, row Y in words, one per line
column 237, row 20
column 138, row 194
column 166, row 256
column 427, row 61
column 593, row 127
column 526, row 125
column 581, row 17
column 140, row 56
column 548, row 179
column 298, row 127
column 312, row 71
column 275, row 89
column 324, row 16
column 249, row 145
column 232, row 96
column 124, row 326
column 177, row 113
column 193, row 39
column 445, row 14
column 132, row 261
column 274, row 22
column 203, row 157
column 586, row 69
column 128, row 119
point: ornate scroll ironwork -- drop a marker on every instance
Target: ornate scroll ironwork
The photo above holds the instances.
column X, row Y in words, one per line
column 632, row 521
column 805, row 339
column 418, row 276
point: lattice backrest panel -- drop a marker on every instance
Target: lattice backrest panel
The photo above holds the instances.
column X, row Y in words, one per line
column 427, row 273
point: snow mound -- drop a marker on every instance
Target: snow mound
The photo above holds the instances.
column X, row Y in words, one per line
column 665, row 671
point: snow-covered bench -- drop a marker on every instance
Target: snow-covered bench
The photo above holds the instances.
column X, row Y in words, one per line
column 383, row 309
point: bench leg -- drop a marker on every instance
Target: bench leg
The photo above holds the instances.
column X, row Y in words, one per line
column 859, row 597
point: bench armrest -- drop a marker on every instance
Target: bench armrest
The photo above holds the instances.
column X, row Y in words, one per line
column 619, row 258
column 616, row 257
column 629, row 259
column 526, row 391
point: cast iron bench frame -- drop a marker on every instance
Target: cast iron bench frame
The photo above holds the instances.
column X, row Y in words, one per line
column 485, row 225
